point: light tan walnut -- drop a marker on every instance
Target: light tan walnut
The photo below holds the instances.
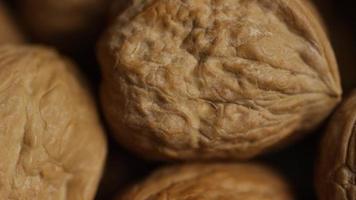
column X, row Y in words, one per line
column 335, row 172
column 9, row 33
column 52, row 145
column 211, row 182
column 201, row 79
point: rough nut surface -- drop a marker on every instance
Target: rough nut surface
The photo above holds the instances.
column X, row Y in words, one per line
column 9, row 33
column 211, row 182
column 187, row 79
column 336, row 169
column 52, row 145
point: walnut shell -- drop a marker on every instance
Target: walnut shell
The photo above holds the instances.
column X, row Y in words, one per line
column 335, row 172
column 52, row 145
column 188, row 79
column 9, row 33
column 65, row 23
column 212, row 182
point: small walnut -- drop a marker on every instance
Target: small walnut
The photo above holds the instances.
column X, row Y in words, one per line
column 64, row 23
column 335, row 172
column 52, row 145
column 212, row 182
column 9, row 34
column 188, row 79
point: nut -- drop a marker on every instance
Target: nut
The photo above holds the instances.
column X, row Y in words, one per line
column 212, row 181
column 335, row 179
column 9, row 34
column 187, row 79
column 52, row 144
column 66, row 23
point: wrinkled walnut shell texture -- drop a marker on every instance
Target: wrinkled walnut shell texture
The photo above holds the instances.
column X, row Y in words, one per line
column 337, row 163
column 9, row 34
column 186, row 79
column 52, row 144
column 211, row 182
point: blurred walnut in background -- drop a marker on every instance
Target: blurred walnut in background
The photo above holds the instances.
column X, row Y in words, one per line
column 212, row 182
column 216, row 79
column 52, row 143
column 336, row 169
column 68, row 24
column 9, row 32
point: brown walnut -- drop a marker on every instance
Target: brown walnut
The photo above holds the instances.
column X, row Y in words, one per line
column 335, row 172
column 52, row 145
column 9, row 33
column 211, row 182
column 64, row 23
column 201, row 79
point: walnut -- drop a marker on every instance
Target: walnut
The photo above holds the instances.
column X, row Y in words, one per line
column 335, row 172
column 212, row 181
column 188, row 79
column 9, row 33
column 65, row 23
column 52, row 144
